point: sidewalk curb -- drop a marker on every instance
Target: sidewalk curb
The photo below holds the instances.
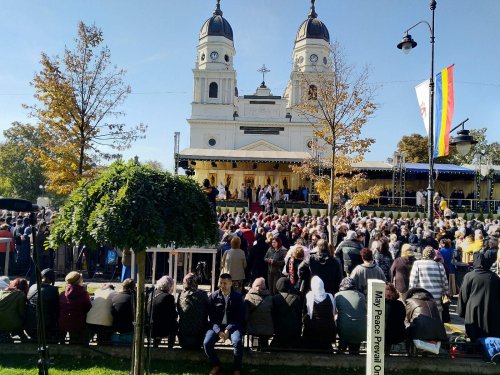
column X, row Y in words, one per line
column 289, row 359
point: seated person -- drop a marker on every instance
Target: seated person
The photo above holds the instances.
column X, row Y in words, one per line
column 351, row 316
column 74, row 303
column 13, row 309
column 319, row 324
column 50, row 304
column 287, row 315
column 99, row 318
column 123, row 313
column 164, row 314
column 226, row 314
column 395, row 313
column 423, row 317
column 258, row 312
column 192, row 306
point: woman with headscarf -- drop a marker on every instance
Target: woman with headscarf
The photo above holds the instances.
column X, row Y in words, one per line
column 351, row 316
column 400, row 270
column 258, row 312
column 74, row 303
column 395, row 313
column 162, row 312
column 319, row 323
column 287, row 315
column 13, row 309
column 479, row 300
column 192, row 306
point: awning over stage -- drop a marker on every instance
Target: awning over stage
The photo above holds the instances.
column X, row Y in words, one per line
column 439, row 168
column 243, row 155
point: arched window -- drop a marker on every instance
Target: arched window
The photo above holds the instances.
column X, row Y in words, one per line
column 313, row 92
column 213, row 90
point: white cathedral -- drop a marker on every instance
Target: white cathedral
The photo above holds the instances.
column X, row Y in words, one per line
column 251, row 139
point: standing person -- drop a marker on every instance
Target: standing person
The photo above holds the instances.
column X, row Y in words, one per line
column 351, row 316
column 400, row 270
column 366, row 271
column 192, row 306
column 292, row 265
column 249, row 196
column 234, row 263
column 324, row 265
column 430, row 275
column 211, row 192
column 479, row 300
column 319, row 324
column 6, row 233
column 395, row 314
column 348, row 251
column 256, row 262
column 226, row 314
column 275, row 259
column 447, row 253
column 163, row 313
column 383, row 259
column 74, row 303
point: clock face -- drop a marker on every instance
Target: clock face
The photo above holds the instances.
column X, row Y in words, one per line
column 214, row 55
column 313, row 58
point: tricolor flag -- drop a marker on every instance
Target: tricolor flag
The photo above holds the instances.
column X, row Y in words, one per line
column 444, row 111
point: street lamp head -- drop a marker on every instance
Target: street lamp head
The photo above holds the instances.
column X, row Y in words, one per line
column 463, row 141
column 407, row 43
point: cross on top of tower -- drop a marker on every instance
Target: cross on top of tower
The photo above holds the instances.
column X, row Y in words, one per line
column 312, row 13
column 217, row 11
column 263, row 70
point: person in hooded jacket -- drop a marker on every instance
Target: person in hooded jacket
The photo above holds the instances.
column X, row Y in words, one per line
column 74, row 303
column 319, row 317
column 322, row 264
column 348, row 251
column 163, row 313
column 258, row 312
column 351, row 316
column 192, row 306
column 423, row 317
column 287, row 315
column 479, row 300
column 13, row 309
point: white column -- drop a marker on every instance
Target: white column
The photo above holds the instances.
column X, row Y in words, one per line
column 375, row 328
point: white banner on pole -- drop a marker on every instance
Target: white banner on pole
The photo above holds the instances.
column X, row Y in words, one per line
column 422, row 91
column 375, row 346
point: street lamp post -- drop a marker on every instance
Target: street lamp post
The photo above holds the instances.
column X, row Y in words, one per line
column 406, row 44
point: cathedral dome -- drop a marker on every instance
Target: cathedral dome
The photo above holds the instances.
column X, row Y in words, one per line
column 313, row 28
column 217, row 25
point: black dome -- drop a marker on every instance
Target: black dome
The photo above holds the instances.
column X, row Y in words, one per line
column 312, row 28
column 217, row 25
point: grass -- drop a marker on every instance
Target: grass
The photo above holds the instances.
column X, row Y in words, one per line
column 26, row 365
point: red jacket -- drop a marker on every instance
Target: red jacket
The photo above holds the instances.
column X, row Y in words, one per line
column 3, row 246
column 74, row 303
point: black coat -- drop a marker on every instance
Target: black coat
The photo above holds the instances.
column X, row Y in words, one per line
column 164, row 316
column 256, row 264
column 395, row 330
column 326, row 267
column 235, row 311
column 479, row 303
column 50, row 298
column 287, row 319
column 123, row 312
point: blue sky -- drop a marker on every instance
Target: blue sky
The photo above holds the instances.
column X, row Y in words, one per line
column 155, row 41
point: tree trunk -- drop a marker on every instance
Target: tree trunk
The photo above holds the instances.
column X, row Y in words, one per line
column 80, row 162
column 138, row 364
column 330, row 198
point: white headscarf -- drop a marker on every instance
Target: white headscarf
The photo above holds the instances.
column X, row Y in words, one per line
column 317, row 295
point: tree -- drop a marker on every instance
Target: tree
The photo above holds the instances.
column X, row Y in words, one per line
column 21, row 172
column 78, row 97
column 416, row 149
column 135, row 207
column 337, row 103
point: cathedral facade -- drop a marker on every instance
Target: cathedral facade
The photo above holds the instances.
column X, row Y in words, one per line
column 250, row 140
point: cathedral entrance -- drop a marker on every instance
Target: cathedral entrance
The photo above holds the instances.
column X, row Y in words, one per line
column 249, row 181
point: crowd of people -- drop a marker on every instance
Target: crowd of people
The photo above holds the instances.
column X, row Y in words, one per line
column 284, row 283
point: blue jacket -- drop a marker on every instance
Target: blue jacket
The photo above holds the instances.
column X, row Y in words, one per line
column 235, row 311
